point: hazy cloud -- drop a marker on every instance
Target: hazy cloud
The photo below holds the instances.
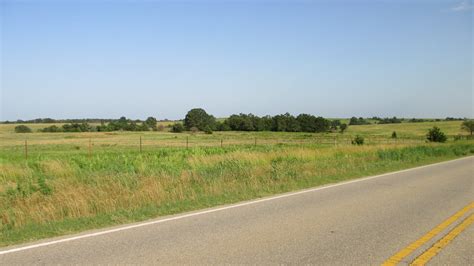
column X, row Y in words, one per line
column 462, row 6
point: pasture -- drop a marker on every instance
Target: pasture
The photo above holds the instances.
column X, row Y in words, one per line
column 70, row 182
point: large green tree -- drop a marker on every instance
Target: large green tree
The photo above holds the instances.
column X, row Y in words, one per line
column 285, row 122
column 200, row 119
column 307, row 122
column 151, row 122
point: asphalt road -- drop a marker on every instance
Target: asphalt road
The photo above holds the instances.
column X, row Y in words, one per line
column 356, row 223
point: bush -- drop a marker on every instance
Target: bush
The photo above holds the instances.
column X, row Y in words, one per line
column 52, row 128
column 394, row 134
column 151, row 123
column 208, row 130
column 22, row 129
column 177, row 128
column 435, row 135
column 343, row 127
column 358, row 140
column 76, row 127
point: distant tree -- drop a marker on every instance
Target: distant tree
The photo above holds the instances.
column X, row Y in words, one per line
column 335, row 124
column 292, row 124
column 393, row 120
column 468, row 125
column 353, row 121
column 358, row 121
column 322, row 124
column 454, row 119
column 151, row 122
column 435, row 135
column 266, row 123
column 76, row 127
column 241, row 122
column 177, row 128
column 285, row 122
column 307, row 122
column 416, row 120
column 52, row 128
column 199, row 118
column 279, row 123
column 258, row 123
column 22, row 129
column 343, row 127
column 394, row 135
column 133, row 126
column 143, row 127
column 123, row 120
column 222, row 126
column 208, row 130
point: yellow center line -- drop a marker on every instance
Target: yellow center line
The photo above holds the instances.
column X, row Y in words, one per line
column 399, row 256
column 443, row 242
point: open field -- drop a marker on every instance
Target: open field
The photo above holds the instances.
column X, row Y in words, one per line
column 79, row 142
column 64, row 187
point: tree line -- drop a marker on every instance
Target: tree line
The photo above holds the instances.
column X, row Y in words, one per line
column 199, row 120
column 121, row 124
column 353, row 120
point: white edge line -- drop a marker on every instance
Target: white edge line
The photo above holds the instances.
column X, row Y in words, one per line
column 218, row 209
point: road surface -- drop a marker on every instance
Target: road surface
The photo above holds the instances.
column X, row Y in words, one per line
column 366, row 221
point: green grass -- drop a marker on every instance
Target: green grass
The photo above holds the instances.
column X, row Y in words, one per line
column 60, row 189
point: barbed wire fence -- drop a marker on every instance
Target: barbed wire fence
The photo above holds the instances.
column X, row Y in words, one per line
column 147, row 143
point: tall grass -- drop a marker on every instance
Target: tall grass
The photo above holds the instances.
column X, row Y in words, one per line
column 64, row 192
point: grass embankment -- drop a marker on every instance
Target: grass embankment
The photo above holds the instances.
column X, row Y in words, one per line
column 64, row 192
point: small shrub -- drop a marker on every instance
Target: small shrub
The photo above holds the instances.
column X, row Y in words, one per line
column 343, row 127
column 22, row 129
column 436, row 135
column 177, row 128
column 194, row 130
column 394, row 134
column 358, row 140
column 208, row 130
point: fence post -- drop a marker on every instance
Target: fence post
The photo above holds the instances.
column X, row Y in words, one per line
column 222, row 143
column 90, row 147
column 255, row 144
column 26, row 149
column 140, row 144
column 187, row 142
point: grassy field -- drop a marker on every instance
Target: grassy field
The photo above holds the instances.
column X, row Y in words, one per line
column 374, row 134
column 64, row 187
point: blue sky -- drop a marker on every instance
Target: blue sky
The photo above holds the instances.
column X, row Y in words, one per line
column 105, row 59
